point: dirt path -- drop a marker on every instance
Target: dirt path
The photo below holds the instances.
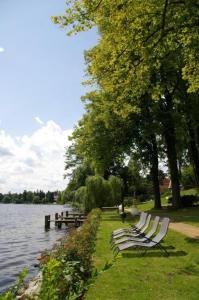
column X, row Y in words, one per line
column 186, row 229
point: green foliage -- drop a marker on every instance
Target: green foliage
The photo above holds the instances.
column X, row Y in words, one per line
column 59, row 198
column 38, row 197
column 12, row 293
column 187, row 200
column 69, row 267
column 188, row 178
column 116, row 189
column 36, row 200
column 81, row 197
column 145, row 69
column 101, row 192
column 95, row 189
column 97, row 192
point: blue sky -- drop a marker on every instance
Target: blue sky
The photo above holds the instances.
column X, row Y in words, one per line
column 41, row 70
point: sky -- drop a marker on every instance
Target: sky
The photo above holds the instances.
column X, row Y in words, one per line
column 41, row 70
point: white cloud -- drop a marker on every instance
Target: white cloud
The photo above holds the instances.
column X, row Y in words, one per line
column 2, row 49
column 38, row 120
column 35, row 161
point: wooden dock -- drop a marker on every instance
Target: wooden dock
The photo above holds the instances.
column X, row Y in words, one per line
column 72, row 219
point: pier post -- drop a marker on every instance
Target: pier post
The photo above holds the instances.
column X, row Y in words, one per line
column 59, row 223
column 62, row 215
column 66, row 213
column 56, row 218
column 47, row 222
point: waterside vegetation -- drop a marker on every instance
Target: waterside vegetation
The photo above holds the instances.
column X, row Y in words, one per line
column 67, row 269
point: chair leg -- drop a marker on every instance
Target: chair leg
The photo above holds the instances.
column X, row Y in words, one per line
column 163, row 249
column 144, row 252
column 112, row 246
column 116, row 251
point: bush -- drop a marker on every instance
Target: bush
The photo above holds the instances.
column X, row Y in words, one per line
column 128, row 201
column 188, row 177
column 186, row 200
column 143, row 197
column 69, row 267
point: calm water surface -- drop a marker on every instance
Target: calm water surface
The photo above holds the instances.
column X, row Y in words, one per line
column 23, row 237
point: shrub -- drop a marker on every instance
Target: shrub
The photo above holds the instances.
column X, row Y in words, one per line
column 143, row 197
column 128, row 201
column 186, row 200
column 69, row 267
column 188, row 177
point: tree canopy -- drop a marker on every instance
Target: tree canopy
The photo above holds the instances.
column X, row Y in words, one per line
column 144, row 72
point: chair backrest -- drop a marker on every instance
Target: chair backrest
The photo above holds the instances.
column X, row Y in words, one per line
column 146, row 224
column 163, row 230
column 154, row 227
column 141, row 217
column 142, row 220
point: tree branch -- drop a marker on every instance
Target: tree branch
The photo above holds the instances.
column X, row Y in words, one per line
column 164, row 17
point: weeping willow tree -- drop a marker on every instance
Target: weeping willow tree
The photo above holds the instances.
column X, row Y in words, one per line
column 99, row 192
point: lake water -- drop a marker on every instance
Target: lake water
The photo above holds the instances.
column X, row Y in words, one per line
column 23, row 237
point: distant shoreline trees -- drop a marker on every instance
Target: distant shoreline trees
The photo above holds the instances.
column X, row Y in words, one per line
column 28, row 197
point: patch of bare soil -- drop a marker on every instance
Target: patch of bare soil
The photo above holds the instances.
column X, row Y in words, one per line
column 186, row 229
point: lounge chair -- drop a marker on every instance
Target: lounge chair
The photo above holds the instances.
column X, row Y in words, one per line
column 155, row 242
column 134, row 233
column 135, row 227
column 143, row 238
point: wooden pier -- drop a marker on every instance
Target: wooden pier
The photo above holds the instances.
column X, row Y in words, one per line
column 72, row 219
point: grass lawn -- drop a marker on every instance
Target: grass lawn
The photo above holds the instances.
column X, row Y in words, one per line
column 187, row 215
column 153, row 276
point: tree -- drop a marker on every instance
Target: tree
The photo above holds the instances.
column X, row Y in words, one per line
column 142, row 50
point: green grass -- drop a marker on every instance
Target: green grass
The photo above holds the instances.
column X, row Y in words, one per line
column 154, row 276
column 193, row 191
column 187, row 215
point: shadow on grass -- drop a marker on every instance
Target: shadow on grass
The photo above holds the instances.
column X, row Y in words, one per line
column 192, row 240
column 112, row 218
column 153, row 254
column 118, row 218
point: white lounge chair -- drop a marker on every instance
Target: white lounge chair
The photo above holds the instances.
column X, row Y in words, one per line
column 135, row 233
column 155, row 242
column 135, row 227
column 143, row 238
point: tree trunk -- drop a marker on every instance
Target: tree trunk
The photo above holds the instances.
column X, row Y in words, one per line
column 197, row 137
column 172, row 159
column 193, row 152
column 155, row 174
column 170, row 139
